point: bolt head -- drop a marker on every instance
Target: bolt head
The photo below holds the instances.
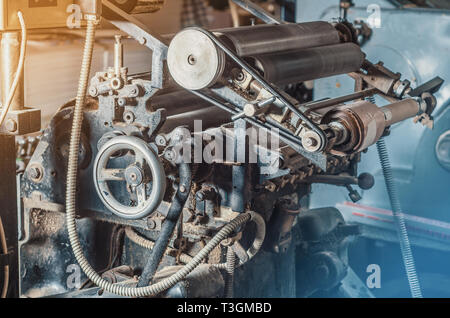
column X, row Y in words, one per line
column 11, row 125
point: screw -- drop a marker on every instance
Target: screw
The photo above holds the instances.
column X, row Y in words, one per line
column 192, row 60
column 35, row 173
column 182, row 188
column 170, row 155
column 310, row 142
column 142, row 41
column 11, row 125
column 160, row 140
column 151, row 224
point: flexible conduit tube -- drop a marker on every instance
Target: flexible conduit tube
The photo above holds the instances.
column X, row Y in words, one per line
column 230, row 266
column 147, row 244
column 402, row 233
column 260, row 234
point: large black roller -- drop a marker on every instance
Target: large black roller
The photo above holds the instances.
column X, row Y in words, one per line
column 266, row 38
column 308, row 64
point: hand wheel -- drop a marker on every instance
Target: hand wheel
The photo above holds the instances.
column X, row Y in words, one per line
column 143, row 170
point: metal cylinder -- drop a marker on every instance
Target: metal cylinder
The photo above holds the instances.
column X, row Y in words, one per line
column 210, row 117
column 178, row 102
column 267, row 38
column 10, row 54
column 399, row 111
column 118, row 55
column 309, row 64
column 195, row 62
column 182, row 108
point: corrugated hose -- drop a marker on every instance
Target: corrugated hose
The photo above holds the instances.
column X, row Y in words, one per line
column 402, row 233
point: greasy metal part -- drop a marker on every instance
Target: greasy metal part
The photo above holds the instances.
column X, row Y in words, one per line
column 309, row 64
column 155, row 255
column 284, row 136
column 285, row 213
column 209, row 117
column 178, row 102
column 118, row 55
column 10, row 52
column 257, row 11
column 271, row 89
column 365, row 122
column 262, row 39
column 313, row 106
column 400, row 111
column 144, row 36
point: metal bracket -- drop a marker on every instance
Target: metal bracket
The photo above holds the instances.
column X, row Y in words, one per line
column 143, row 35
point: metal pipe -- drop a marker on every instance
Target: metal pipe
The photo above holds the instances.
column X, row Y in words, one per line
column 118, row 55
column 400, row 111
column 10, row 55
column 168, row 227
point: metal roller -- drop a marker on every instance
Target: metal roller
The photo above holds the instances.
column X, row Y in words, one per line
column 308, row 64
column 195, row 62
column 210, row 117
column 261, row 39
column 178, row 102
column 182, row 108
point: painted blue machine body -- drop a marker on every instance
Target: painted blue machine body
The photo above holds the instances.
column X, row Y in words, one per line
column 416, row 43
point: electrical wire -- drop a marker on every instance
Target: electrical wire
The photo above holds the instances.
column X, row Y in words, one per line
column 6, row 267
column 19, row 71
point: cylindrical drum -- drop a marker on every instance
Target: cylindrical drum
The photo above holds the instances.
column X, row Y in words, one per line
column 267, row 38
column 309, row 64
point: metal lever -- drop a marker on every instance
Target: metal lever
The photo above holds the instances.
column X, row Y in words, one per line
column 257, row 11
column 432, row 86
